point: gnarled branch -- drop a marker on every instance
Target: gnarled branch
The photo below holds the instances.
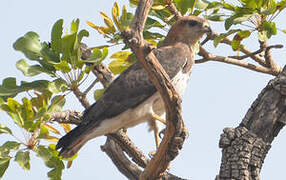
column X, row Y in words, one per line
column 245, row 147
column 175, row 132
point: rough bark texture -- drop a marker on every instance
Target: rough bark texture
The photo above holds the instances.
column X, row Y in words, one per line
column 175, row 132
column 244, row 148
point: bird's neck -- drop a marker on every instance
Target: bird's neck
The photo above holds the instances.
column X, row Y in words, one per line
column 172, row 40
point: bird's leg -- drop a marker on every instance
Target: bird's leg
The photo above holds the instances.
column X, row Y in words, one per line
column 157, row 117
column 155, row 128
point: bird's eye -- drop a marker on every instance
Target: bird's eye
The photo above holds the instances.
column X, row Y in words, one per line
column 192, row 23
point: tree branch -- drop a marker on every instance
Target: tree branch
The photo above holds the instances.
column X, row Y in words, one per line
column 68, row 116
column 175, row 132
column 269, row 60
column 172, row 8
column 207, row 56
column 227, row 41
column 81, row 97
column 245, row 147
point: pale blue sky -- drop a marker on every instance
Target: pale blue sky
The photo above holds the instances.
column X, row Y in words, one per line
column 218, row 96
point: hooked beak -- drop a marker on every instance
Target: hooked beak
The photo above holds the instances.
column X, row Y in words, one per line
column 208, row 30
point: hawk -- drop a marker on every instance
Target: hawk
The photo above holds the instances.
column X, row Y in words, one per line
column 132, row 98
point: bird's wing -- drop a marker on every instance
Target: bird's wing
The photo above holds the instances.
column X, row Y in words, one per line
column 133, row 86
column 130, row 89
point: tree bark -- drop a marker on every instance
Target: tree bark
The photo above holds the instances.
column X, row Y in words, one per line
column 245, row 147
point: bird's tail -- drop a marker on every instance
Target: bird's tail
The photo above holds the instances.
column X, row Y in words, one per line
column 73, row 141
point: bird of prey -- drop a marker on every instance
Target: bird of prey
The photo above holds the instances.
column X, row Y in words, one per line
column 132, row 98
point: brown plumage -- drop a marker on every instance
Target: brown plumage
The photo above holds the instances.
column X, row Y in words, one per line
column 132, row 98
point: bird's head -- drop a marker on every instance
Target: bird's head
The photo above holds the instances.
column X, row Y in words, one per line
column 189, row 30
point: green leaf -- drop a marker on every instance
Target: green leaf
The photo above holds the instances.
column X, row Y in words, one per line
column 74, row 26
column 115, row 15
column 57, row 86
column 236, row 19
column 57, row 103
column 214, row 6
column 28, row 70
column 30, row 45
column 82, row 33
column 281, row 5
column 48, row 54
column 270, row 28
column 108, row 22
column 27, row 113
column 68, row 47
column 219, row 38
column 63, row 66
column 97, row 56
column 121, row 55
column 262, row 36
column 7, row 147
column 13, row 104
column 215, row 17
column 151, row 23
column 9, row 87
column 183, row 5
column 51, row 159
column 57, row 32
column 4, row 164
column 228, row 6
column 201, row 4
column 23, row 159
column 98, row 93
column 126, row 19
column 118, row 66
column 4, row 129
column 235, row 44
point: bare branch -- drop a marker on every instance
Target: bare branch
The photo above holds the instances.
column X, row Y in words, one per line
column 172, row 8
column 211, row 57
column 124, row 165
column 247, row 55
column 129, row 147
column 103, row 74
column 81, row 97
column 68, row 116
column 90, row 86
column 227, row 41
column 269, row 60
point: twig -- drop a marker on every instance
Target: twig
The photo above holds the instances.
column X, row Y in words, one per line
column 172, row 8
column 90, row 86
column 81, row 97
column 227, row 41
column 103, row 74
column 269, row 60
column 68, row 116
column 247, row 55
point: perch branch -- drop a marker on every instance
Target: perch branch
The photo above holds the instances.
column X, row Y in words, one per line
column 175, row 132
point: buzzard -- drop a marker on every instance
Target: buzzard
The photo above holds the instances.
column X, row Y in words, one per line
column 132, row 98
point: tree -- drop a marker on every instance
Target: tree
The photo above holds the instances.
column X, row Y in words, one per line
column 65, row 54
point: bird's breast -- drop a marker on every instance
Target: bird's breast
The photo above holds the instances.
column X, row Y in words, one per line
column 180, row 81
